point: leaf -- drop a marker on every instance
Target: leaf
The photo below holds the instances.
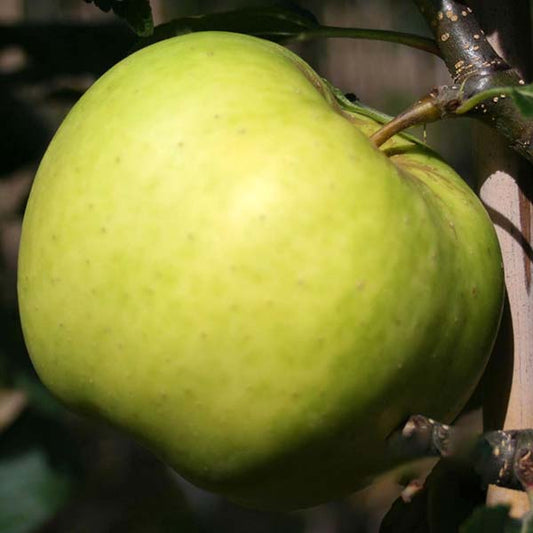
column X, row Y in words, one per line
column 137, row 13
column 492, row 520
column 279, row 23
column 523, row 98
column 31, row 491
column 449, row 495
column 38, row 465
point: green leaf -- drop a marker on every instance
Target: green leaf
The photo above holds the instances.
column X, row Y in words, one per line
column 31, row 491
column 523, row 97
column 492, row 520
column 279, row 23
column 137, row 13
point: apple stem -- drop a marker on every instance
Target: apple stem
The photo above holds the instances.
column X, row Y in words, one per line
column 437, row 104
column 422, row 112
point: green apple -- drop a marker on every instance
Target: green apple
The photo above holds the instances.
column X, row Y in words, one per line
column 217, row 259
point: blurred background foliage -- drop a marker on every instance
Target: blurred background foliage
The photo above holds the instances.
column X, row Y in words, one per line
column 60, row 473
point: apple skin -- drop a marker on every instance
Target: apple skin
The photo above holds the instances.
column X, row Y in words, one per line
column 216, row 259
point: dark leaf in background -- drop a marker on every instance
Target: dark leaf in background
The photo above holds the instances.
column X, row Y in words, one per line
column 279, row 23
column 493, row 520
column 137, row 13
column 407, row 517
column 38, row 463
column 127, row 491
column 31, row 490
column 450, row 494
column 104, row 5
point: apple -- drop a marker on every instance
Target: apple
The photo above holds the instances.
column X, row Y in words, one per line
column 216, row 259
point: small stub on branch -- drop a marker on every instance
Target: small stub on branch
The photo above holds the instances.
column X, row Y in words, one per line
column 503, row 458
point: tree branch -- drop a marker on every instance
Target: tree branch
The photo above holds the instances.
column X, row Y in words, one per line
column 461, row 40
column 503, row 458
column 475, row 67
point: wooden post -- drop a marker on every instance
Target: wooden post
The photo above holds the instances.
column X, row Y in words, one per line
column 507, row 190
